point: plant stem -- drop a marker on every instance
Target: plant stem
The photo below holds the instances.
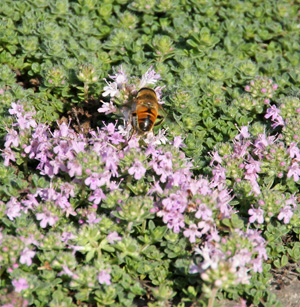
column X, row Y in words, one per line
column 212, row 298
column 86, row 91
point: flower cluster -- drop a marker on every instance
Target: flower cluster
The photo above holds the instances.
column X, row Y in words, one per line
column 55, row 77
column 100, row 169
column 137, row 178
column 248, row 162
column 224, row 264
column 261, row 87
column 260, row 91
column 273, row 113
column 198, row 208
column 287, row 115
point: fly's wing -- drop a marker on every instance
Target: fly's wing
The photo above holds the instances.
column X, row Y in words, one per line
column 161, row 115
column 127, row 109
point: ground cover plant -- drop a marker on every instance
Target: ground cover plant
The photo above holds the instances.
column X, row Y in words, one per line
column 204, row 208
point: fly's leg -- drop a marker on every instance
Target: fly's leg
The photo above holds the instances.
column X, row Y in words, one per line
column 132, row 119
column 161, row 119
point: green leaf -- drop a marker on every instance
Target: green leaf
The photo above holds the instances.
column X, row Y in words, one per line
column 284, row 260
column 90, row 255
column 277, row 263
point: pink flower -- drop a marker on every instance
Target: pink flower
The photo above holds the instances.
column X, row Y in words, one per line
column 66, row 271
column 66, row 236
column 257, row 265
column 14, row 208
column 26, row 256
column 92, row 218
column 149, row 77
column 244, row 133
column 12, row 138
column 112, row 237
column 104, row 277
column 137, row 169
column 292, row 201
column 214, row 236
column 278, row 122
column 252, row 167
column 27, row 121
column 93, row 181
column 20, row 284
column 78, row 146
column 16, row 109
column 286, row 214
column 240, row 149
column 192, row 233
column 8, row 155
column 255, row 186
column 175, row 202
column 111, row 161
column 256, row 215
column 97, row 196
column 111, row 89
column 177, row 142
column 30, row 203
column 293, row 151
column 272, row 112
column 210, row 258
column 206, row 226
column 215, row 158
column 219, row 175
column 294, row 171
column 120, row 77
column 62, row 202
column 107, row 108
column 203, row 212
column 176, row 223
column 46, row 218
column 261, row 143
column 261, row 250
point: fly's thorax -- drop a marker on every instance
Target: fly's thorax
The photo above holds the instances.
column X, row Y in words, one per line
column 149, row 104
column 147, row 95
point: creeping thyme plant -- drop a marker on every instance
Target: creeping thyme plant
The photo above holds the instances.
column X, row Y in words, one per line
column 200, row 210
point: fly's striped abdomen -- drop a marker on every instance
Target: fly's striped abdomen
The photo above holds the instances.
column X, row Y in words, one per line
column 146, row 118
column 146, row 109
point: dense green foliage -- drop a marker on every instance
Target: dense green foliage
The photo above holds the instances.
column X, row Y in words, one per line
column 215, row 59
